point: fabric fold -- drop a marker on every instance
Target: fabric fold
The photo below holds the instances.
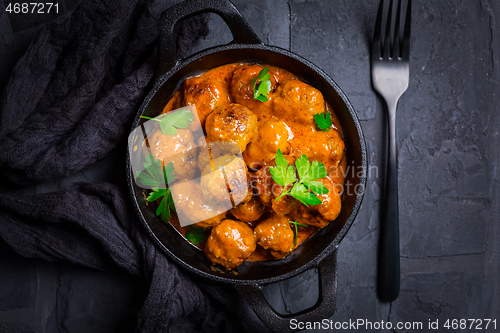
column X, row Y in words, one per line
column 72, row 96
column 69, row 102
column 93, row 225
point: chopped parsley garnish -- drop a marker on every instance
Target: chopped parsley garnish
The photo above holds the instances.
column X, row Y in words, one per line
column 306, row 188
column 324, row 121
column 170, row 122
column 260, row 93
column 156, row 177
column 296, row 231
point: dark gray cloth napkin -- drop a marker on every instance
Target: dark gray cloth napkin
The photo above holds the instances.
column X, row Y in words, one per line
column 69, row 102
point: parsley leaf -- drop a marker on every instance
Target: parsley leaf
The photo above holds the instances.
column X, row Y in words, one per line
column 307, row 187
column 168, row 173
column 317, row 170
column 316, row 187
column 309, row 173
column 157, row 194
column 153, row 175
column 303, row 165
column 324, row 121
column 296, row 231
column 300, row 192
column 166, row 204
column 170, row 122
column 260, row 93
column 196, row 235
column 282, row 173
column 157, row 177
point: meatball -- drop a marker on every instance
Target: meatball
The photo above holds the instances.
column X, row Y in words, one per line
column 327, row 148
column 206, row 94
column 204, row 154
column 272, row 135
column 276, row 235
column 178, row 149
column 214, row 150
column 229, row 177
column 286, row 203
column 174, row 103
column 331, row 202
column 336, row 147
column 231, row 123
column 298, row 102
column 248, row 211
column 192, row 207
column 263, row 182
column 241, row 90
column 268, row 190
column 230, row 243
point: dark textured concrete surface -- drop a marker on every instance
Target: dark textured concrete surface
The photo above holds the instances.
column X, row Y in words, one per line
column 19, row 283
column 448, row 125
column 79, row 312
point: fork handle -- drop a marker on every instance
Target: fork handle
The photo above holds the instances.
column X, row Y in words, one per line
column 389, row 271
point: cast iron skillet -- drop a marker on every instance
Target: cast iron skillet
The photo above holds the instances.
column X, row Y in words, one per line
column 316, row 252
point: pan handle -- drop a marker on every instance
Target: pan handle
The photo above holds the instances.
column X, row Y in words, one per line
column 323, row 309
column 242, row 32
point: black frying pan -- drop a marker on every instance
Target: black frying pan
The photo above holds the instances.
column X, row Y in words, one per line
column 318, row 251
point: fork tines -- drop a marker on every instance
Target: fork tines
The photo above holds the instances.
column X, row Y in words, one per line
column 400, row 49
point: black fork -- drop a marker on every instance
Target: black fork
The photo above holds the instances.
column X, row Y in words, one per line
column 390, row 77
